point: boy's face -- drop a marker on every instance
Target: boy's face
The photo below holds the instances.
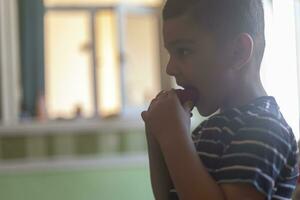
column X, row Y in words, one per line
column 196, row 61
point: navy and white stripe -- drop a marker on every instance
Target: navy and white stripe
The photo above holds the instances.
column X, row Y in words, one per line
column 251, row 144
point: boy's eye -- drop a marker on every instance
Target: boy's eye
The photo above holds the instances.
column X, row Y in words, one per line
column 183, row 52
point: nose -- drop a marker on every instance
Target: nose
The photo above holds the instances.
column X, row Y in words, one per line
column 171, row 69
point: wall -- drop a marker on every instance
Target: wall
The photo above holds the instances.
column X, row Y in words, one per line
column 109, row 184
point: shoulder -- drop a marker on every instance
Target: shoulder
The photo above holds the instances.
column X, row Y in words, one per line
column 264, row 131
column 267, row 128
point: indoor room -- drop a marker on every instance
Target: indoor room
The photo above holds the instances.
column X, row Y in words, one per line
column 75, row 76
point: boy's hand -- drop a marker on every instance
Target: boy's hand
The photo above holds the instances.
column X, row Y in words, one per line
column 166, row 116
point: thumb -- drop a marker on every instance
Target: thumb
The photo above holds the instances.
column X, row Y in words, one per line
column 144, row 115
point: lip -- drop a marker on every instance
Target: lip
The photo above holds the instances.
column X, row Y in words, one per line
column 187, row 86
column 184, row 86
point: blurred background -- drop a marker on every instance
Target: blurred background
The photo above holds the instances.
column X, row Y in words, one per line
column 75, row 76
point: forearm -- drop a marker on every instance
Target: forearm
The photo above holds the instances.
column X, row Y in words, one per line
column 190, row 177
column 160, row 178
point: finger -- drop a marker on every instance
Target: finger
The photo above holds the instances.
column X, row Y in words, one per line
column 152, row 101
column 172, row 93
column 156, row 98
column 160, row 93
column 188, row 106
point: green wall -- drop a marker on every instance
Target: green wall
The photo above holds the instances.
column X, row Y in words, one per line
column 102, row 184
column 117, row 183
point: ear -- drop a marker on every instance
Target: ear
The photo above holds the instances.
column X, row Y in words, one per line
column 242, row 51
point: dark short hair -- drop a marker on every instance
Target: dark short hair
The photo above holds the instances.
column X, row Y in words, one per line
column 224, row 18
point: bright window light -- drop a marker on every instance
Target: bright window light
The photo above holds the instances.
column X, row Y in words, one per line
column 279, row 68
column 67, row 67
column 108, row 68
column 84, row 75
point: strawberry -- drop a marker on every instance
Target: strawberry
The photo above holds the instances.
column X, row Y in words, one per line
column 187, row 96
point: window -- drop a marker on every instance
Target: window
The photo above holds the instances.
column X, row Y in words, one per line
column 94, row 55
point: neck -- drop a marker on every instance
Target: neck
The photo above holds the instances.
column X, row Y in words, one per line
column 244, row 92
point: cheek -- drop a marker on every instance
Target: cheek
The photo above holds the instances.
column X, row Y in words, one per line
column 210, row 80
column 204, row 73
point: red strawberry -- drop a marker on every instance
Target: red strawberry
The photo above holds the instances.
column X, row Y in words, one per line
column 187, row 96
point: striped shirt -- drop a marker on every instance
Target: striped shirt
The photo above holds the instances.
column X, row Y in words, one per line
column 251, row 144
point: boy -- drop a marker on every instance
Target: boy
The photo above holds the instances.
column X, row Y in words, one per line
column 247, row 150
